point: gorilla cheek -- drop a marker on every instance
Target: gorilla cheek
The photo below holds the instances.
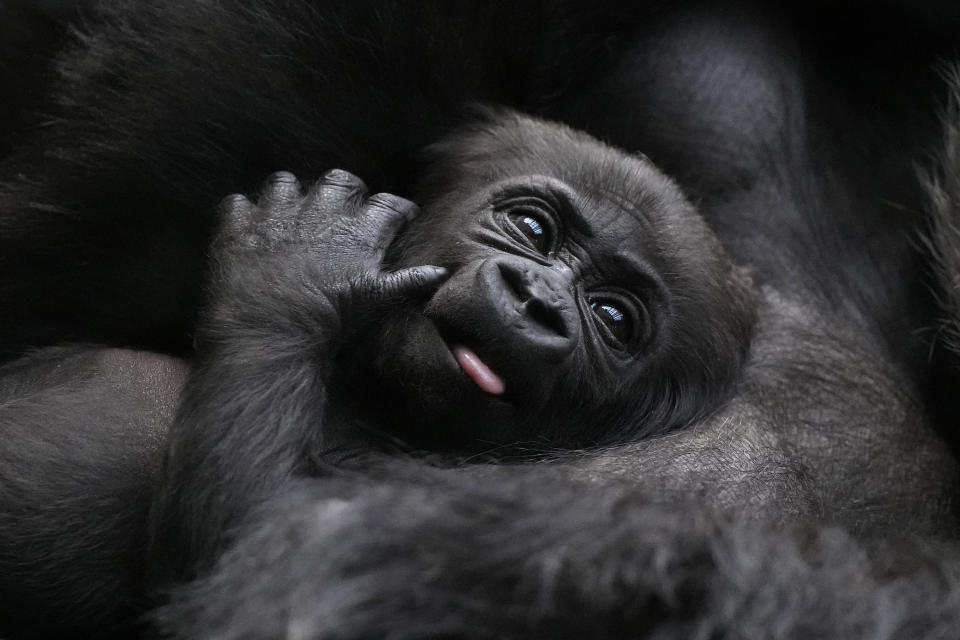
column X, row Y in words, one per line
column 420, row 377
column 418, row 361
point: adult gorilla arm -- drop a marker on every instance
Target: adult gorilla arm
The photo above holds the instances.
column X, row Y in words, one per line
column 158, row 110
column 715, row 530
column 519, row 554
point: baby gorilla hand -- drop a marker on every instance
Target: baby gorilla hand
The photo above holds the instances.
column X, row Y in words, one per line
column 323, row 250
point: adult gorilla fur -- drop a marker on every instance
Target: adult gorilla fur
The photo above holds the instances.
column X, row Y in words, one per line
column 819, row 502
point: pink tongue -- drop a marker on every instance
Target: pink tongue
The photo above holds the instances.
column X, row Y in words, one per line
column 478, row 371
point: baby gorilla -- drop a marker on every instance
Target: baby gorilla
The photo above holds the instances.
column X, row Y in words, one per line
column 554, row 292
column 586, row 302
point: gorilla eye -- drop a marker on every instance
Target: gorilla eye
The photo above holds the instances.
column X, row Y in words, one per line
column 617, row 317
column 533, row 224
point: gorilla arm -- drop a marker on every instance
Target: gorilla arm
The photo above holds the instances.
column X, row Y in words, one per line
column 82, row 431
column 291, row 277
column 519, row 554
column 704, row 532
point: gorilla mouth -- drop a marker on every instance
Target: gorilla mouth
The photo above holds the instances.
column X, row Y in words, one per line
column 472, row 365
column 477, row 370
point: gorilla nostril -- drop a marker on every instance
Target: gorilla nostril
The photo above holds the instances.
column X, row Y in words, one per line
column 514, row 279
column 548, row 315
column 539, row 300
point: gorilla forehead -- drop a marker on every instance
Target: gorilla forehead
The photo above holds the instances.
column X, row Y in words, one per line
column 505, row 144
column 630, row 206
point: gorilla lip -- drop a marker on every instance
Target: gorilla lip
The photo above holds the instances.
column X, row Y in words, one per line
column 478, row 371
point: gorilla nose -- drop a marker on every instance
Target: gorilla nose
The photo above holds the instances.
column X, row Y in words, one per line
column 544, row 300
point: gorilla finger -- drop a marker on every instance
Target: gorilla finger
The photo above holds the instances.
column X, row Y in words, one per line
column 337, row 192
column 341, row 179
column 411, row 281
column 338, row 184
column 383, row 216
column 281, row 190
column 236, row 215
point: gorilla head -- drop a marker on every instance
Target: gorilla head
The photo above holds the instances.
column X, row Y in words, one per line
column 584, row 290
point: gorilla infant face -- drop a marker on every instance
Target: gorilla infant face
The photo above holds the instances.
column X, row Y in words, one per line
column 587, row 301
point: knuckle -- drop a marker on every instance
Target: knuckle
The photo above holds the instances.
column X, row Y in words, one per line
column 389, row 203
column 282, row 178
column 343, row 179
column 282, row 186
column 234, row 201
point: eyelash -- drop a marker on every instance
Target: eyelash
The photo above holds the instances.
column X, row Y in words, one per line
column 620, row 318
column 533, row 222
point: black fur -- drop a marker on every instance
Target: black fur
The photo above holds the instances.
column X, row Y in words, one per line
column 799, row 155
column 312, row 331
column 313, row 91
column 514, row 553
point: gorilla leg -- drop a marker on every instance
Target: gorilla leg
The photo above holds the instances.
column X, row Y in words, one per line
column 82, row 430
